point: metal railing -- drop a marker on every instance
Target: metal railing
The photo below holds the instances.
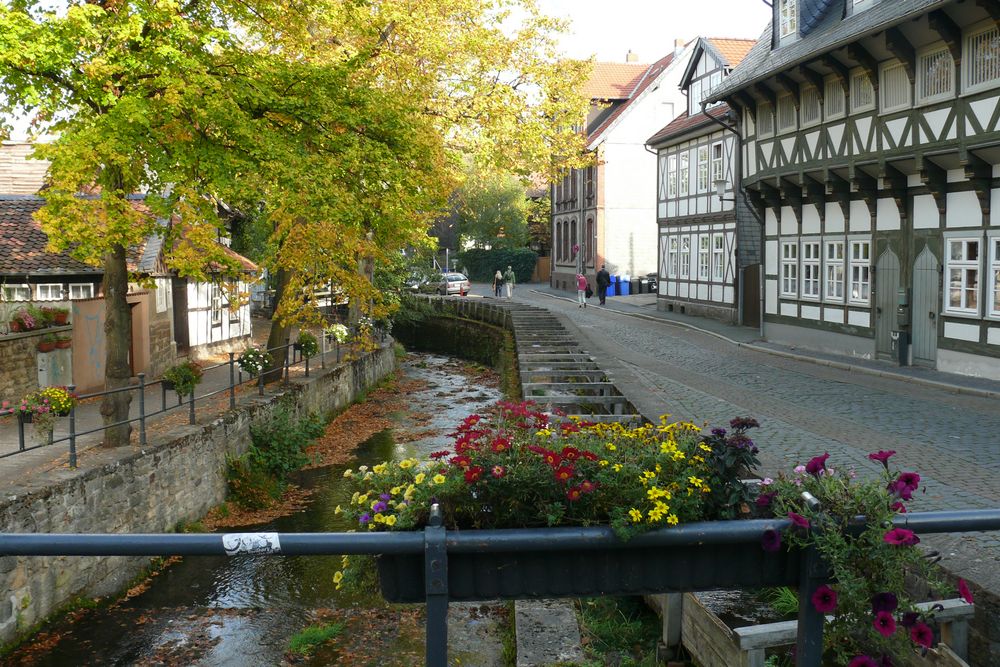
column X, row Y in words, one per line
column 436, row 543
column 236, row 379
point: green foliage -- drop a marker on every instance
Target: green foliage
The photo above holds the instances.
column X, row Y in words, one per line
column 483, row 264
column 623, row 627
column 307, row 343
column 305, row 641
column 733, row 456
column 492, row 210
column 784, row 600
column 185, row 376
column 249, row 486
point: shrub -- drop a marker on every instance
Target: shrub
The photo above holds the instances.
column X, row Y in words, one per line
column 338, row 332
column 307, row 344
column 184, row 376
column 483, row 264
column 253, row 360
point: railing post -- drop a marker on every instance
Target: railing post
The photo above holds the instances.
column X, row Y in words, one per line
column 20, row 431
column 260, row 382
column 72, row 430
column 813, row 572
column 163, row 397
column 322, row 358
column 287, row 348
column 436, row 588
column 142, row 409
column 191, row 408
column 307, row 366
column 232, row 381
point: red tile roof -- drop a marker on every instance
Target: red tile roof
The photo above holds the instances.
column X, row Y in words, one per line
column 648, row 76
column 686, row 123
column 733, row 51
column 22, row 243
column 613, row 81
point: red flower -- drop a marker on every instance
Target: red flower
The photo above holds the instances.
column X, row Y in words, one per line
column 910, row 480
column 498, row 471
column 770, row 540
column 884, row 623
column 590, row 456
column 817, row 464
column 824, row 599
column 862, row 661
column 564, row 473
column 460, row 461
column 898, row 507
column 900, row 537
column 552, row 459
column 587, row 486
column 500, row 444
column 921, row 634
column 541, row 451
column 570, row 453
column 574, row 493
column 440, row 455
column 799, row 521
column 964, row 592
column 473, row 474
column 882, row 457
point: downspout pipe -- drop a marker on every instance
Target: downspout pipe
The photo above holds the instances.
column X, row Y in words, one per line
column 741, row 193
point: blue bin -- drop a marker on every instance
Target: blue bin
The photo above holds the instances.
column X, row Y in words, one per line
column 616, row 286
column 625, row 283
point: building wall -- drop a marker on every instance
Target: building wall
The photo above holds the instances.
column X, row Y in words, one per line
column 225, row 330
column 23, row 369
column 20, row 175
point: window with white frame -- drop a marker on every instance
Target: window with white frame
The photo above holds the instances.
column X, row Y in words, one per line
column 894, row 87
column 995, row 276
column 858, row 5
column 702, row 168
column 935, row 75
column 833, row 98
column 718, row 257
column 685, row 256
column 765, row 119
column 17, row 293
column 786, row 113
column 704, row 256
column 810, row 269
column 672, row 176
column 695, row 95
column 684, row 174
column 718, row 167
column 789, row 269
column 672, row 245
column 233, row 292
column 862, row 92
column 86, row 290
column 963, row 276
column 861, row 271
column 49, row 291
column 833, row 289
column 215, row 304
column 810, row 106
column 982, row 58
column 788, row 17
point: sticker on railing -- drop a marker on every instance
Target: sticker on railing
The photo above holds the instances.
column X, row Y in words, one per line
column 251, row 543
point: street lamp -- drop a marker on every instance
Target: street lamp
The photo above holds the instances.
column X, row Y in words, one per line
column 720, row 190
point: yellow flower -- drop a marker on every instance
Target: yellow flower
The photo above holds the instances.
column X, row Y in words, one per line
column 705, row 447
column 408, row 494
column 679, row 455
column 362, row 468
column 368, row 475
column 603, row 462
column 672, row 519
column 400, row 506
column 419, row 479
column 618, row 467
column 337, row 510
column 658, row 468
column 698, row 459
column 338, row 576
column 355, row 497
column 348, row 472
column 439, row 479
column 363, row 499
column 610, row 447
column 379, row 518
column 390, row 520
column 395, row 490
column 379, row 469
column 407, row 463
column 694, row 481
column 635, row 515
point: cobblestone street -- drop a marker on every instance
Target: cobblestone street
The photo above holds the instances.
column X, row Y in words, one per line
column 805, row 409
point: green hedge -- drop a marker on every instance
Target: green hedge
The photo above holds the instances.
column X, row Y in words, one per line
column 483, row 264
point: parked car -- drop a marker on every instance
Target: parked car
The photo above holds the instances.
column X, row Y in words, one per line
column 453, row 283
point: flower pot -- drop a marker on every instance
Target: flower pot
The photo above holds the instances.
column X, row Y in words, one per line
column 297, row 347
column 46, row 347
column 167, row 384
column 64, row 344
column 624, row 570
column 26, row 417
column 59, row 319
column 15, row 326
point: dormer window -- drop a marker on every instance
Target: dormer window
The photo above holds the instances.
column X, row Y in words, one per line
column 788, row 17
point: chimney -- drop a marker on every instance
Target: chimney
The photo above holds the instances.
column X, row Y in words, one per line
column 678, row 46
column 631, row 57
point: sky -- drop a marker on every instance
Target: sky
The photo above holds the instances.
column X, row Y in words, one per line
column 649, row 27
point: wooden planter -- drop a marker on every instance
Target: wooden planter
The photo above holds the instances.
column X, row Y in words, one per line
column 621, row 570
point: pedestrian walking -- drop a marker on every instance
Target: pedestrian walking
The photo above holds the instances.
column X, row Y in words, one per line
column 508, row 281
column 497, row 284
column 603, row 282
column 581, row 290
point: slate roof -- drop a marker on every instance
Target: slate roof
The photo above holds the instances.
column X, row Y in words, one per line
column 686, row 123
column 613, row 81
column 22, row 243
column 648, row 77
column 833, row 33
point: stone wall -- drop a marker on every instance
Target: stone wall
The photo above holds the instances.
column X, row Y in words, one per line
column 178, row 477
column 19, row 367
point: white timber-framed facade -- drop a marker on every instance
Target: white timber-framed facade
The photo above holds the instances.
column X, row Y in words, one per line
column 879, row 194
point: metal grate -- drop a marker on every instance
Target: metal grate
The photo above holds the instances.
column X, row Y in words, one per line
column 895, row 88
column 833, row 99
column 982, row 55
column 810, row 106
column 936, row 71
column 862, row 93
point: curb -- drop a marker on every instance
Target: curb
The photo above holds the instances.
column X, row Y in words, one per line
column 840, row 365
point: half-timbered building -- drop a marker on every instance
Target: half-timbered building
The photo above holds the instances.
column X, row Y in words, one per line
column 602, row 214
column 871, row 145
column 709, row 245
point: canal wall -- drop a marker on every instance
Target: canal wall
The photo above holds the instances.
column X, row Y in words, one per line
column 178, row 477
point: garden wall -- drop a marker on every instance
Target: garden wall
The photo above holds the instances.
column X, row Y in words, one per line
column 177, row 478
column 22, row 366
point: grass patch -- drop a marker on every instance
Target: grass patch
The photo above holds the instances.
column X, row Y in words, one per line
column 305, row 641
column 784, row 600
column 621, row 631
column 508, row 637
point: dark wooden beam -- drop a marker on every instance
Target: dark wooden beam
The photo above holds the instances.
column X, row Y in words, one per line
column 764, row 92
column 866, row 186
column 992, row 8
column 895, row 182
column 839, row 188
column 948, row 31
column 936, row 180
column 789, row 85
column 771, row 195
column 791, row 192
column 900, row 47
column 747, row 102
column 756, row 200
column 814, row 192
column 815, row 79
column 865, row 61
column 980, row 174
column 838, row 69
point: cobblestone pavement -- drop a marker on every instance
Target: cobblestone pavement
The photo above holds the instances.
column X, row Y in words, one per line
column 805, row 409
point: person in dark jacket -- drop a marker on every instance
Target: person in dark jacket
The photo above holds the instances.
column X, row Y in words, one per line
column 603, row 281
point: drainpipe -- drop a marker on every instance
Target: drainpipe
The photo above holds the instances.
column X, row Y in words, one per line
column 738, row 191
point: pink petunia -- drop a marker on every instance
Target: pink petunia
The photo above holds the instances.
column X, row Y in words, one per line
column 824, row 599
column 921, row 634
column 799, row 521
column 964, row 592
column 862, row 661
column 885, row 623
column 900, row 537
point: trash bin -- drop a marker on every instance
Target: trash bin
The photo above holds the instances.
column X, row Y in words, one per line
column 616, row 286
column 652, row 285
column 644, row 286
column 900, row 342
column 636, row 286
column 625, row 282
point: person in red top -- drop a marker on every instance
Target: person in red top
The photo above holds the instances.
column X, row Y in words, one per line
column 581, row 290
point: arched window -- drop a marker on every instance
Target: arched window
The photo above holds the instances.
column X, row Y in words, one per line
column 591, row 240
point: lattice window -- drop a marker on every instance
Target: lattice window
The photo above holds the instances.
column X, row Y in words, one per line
column 86, row 290
column 17, row 293
column 672, row 255
column 786, row 113
column 833, row 99
column 684, row 174
column 215, row 296
column 833, row 289
column 703, row 169
column 810, row 106
column 685, row 256
column 789, row 269
column 982, row 58
column 810, row 269
column 861, row 271
column 718, row 166
column 765, row 119
column 704, row 256
column 862, row 92
column 963, row 276
column 894, row 87
column 788, row 17
column 995, row 273
column 718, row 257
column 49, row 291
column 935, row 76
column 672, row 176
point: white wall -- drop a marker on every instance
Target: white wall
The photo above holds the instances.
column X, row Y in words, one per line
column 200, row 328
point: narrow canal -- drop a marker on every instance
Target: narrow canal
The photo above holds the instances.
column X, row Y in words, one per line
column 242, row 611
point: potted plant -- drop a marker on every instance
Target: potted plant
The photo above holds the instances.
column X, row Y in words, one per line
column 516, row 470
column 337, row 332
column 307, row 344
column 56, row 315
column 22, row 320
column 183, row 377
column 47, row 343
column 63, row 342
column 253, row 360
column 44, row 406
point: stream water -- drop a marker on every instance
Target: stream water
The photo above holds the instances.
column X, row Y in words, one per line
column 241, row 611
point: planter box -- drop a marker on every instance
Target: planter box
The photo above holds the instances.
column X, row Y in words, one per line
column 624, row 570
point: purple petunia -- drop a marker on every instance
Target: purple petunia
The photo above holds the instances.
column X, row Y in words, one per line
column 799, row 521
column 765, row 499
column 771, row 540
column 884, row 623
column 964, row 592
column 910, row 480
column 380, row 506
column 817, row 464
column 365, row 518
column 922, row 634
column 824, row 599
column 719, row 432
column 884, row 602
column 900, row 489
column 900, row 537
column 384, row 496
column 909, row 619
column 862, row 661
column 882, row 457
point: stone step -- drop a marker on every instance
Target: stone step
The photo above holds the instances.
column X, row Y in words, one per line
column 547, row 633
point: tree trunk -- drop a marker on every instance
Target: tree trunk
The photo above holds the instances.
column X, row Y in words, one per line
column 118, row 338
column 279, row 333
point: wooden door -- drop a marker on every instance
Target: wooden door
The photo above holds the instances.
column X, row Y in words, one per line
column 926, row 305
column 180, row 303
column 886, row 287
column 751, row 295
